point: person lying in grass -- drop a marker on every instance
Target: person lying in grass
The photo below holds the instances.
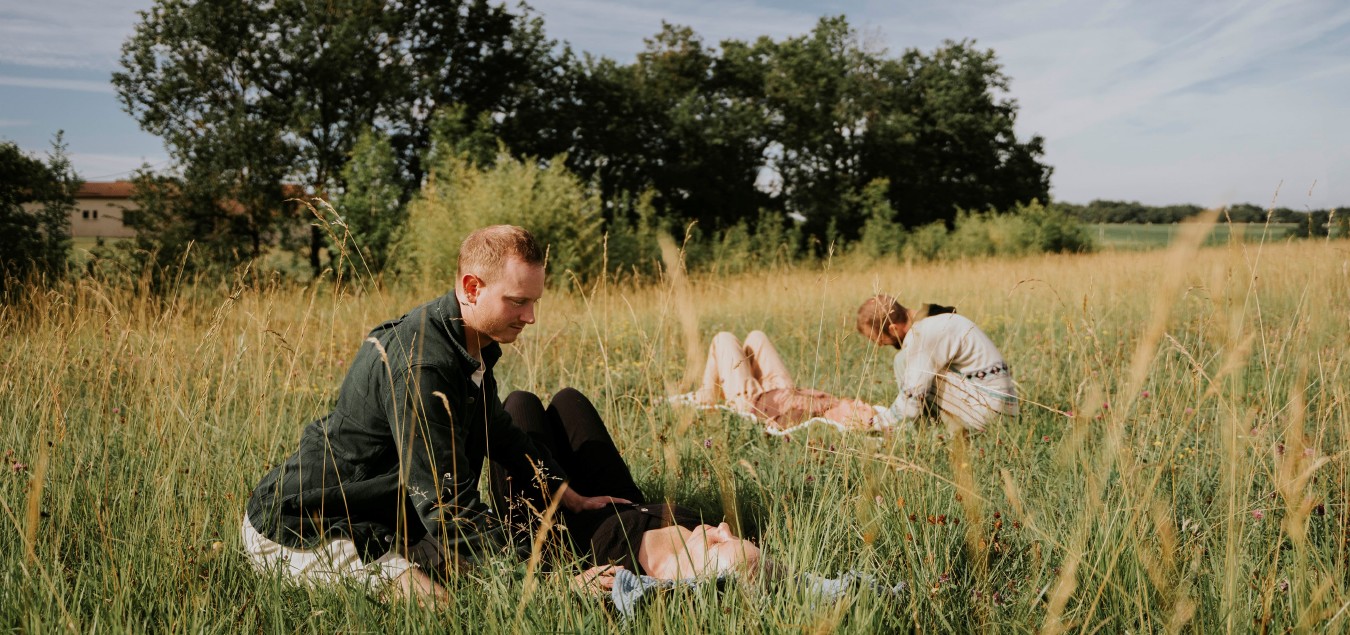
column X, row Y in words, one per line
column 660, row 540
column 753, row 379
column 945, row 365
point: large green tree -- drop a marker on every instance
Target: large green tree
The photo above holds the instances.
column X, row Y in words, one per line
column 36, row 199
column 798, row 127
column 251, row 94
column 679, row 121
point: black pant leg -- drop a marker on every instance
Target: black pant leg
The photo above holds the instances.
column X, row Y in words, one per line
column 512, row 492
column 596, row 468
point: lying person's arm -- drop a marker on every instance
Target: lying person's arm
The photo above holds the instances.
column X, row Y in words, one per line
column 595, row 581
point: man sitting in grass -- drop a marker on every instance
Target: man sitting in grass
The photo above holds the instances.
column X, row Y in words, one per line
column 945, row 363
column 384, row 489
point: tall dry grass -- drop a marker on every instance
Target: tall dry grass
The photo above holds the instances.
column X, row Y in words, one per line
column 1179, row 464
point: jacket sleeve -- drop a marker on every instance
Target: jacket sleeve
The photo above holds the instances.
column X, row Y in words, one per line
column 434, row 467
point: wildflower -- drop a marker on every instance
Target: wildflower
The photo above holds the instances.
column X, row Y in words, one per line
column 1189, row 410
column 116, row 410
column 1045, row 438
column 17, row 467
column 1068, row 413
column 1258, row 514
column 810, row 479
column 707, row 443
column 1283, row 584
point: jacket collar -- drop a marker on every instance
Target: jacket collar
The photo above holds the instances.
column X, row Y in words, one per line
column 446, row 313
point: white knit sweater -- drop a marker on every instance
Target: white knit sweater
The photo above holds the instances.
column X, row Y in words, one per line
column 949, row 343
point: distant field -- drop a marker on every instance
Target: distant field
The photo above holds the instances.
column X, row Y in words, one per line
column 1129, row 236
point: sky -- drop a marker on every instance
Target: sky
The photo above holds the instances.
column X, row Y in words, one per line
column 1162, row 102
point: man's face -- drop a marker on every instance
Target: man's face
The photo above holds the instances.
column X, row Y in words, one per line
column 500, row 307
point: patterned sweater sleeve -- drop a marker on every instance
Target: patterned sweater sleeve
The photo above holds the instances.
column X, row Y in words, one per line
column 916, row 367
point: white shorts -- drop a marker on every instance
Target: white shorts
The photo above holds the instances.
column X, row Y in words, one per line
column 336, row 560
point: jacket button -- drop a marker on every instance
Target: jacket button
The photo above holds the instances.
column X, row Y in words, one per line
column 470, row 399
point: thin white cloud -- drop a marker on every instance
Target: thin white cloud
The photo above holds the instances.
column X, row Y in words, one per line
column 111, row 167
column 84, row 34
column 81, row 85
column 14, row 123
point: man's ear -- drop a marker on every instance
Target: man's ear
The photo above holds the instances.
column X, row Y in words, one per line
column 897, row 331
column 472, row 285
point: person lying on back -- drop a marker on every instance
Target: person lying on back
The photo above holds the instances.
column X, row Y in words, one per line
column 753, row 379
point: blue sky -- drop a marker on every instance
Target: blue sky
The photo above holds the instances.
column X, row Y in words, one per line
column 1202, row 102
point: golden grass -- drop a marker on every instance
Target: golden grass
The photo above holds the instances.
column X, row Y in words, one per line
column 1179, row 464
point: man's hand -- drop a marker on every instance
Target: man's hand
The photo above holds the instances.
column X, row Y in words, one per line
column 575, row 502
column 595, row 581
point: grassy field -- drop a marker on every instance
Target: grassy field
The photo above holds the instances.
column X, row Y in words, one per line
column 1179, row 464
column 1134, row 236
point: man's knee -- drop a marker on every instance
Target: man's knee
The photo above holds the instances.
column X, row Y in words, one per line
column 521, row 402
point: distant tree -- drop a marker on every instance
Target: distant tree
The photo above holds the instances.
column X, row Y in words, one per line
column 208, row 78
column 36, row 199
column 250, row 95
column 680, row 122
column 369, row 206
column 1313, row 224
column 821, row 114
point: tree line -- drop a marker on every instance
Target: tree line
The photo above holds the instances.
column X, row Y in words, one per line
column 361, row 102
column 1307, row 224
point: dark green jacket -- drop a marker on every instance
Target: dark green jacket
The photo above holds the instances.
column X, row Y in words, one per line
column 401, row 453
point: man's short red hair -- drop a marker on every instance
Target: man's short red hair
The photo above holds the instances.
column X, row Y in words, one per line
column 485, row 251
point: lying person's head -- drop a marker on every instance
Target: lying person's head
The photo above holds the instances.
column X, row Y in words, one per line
column 706, row 551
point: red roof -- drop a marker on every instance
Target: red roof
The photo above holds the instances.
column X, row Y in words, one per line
column 123, row 189
column 105, row 189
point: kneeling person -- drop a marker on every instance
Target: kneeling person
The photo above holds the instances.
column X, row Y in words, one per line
column 944, row 361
